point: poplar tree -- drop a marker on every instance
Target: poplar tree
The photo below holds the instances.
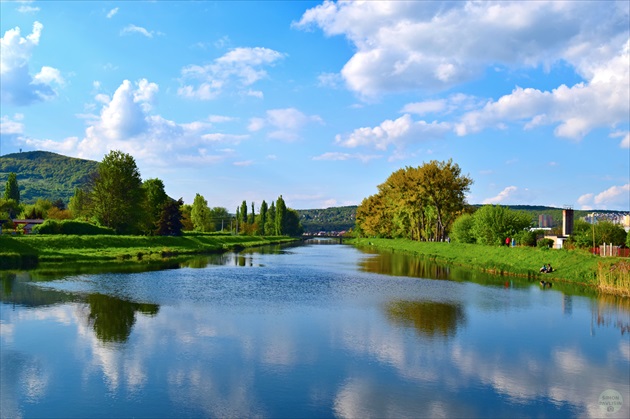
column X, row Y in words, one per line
column 243, row 215
column 270, row 223
column 262, row 218
column 281, row 214
column 12, row 190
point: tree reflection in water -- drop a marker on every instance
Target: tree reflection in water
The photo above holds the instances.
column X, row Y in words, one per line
column 113, row 318
column 430, row 319
column 611, row 310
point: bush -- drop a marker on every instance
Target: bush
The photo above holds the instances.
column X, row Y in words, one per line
column 462, row 229
column 527, row 238
column 546, row 243
column 71, row 227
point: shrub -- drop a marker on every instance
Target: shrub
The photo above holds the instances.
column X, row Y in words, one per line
column 71, row 227
column 462, row 229
column 546, row 243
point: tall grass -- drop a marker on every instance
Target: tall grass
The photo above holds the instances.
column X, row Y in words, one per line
column 614, row 277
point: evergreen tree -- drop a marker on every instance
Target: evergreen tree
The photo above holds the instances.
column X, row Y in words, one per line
column 281, row 214
column 12, row 190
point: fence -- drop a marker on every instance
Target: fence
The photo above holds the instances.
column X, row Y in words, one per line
column 607, row 250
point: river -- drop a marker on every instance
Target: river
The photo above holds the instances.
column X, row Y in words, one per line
column 315, row 330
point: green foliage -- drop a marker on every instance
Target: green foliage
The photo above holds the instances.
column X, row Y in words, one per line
column 79, row 203
column 281, row 216
column 46, row 175
column 80, row 228
column 494, row 223
column 601, row 232
column 270, row 223
column 292, row 226
column 8, row 208
column 328, row 219
column 170, row 221
column 200, row 214
column 262, row 218
column 39, row 210
column 418, row 203
column 243, row 214
column 12, row 190
column 527, row 237
column 117, row 197
column 220, row 218
column 462, row 230
column 544, row 243
column 155, row 199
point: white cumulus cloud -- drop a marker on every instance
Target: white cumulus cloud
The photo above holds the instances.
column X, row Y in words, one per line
column 397, row 133
column 112, row 12
column 403, row 46
column 241, row 67
column 17, row 85
column 616, row 197
column 284, row 124
column 502, row 196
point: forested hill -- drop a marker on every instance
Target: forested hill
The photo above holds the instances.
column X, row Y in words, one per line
column 46, row 175
column 329, row 219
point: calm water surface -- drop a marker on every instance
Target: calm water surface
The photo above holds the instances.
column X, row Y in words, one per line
column 308, row 331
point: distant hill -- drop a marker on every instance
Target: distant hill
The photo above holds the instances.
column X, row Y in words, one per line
column 329, row 219
column 46, row 175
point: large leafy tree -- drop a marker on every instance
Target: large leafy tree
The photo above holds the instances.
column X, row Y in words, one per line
column 12, row 189
column 494, row 223
column 200, row 214
column 292, row 225
column 116, row 195
column 418, row 203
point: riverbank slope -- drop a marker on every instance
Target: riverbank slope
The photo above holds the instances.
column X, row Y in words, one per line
column 611, row 275
column 25, row 251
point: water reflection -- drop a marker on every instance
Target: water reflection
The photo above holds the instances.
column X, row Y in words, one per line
column 611, row 310
column 113, row 318
column 430, row 319
column 304, row 335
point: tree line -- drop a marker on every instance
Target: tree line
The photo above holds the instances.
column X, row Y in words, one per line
column 116, row 197
column 427, row 203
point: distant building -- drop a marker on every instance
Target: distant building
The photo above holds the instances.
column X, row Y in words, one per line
column 545, row 221
column 567, row 222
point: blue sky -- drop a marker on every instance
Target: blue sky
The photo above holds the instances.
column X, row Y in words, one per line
column 322, row 101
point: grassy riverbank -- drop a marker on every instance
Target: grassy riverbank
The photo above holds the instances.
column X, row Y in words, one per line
column 610, row 275
column 20, row 251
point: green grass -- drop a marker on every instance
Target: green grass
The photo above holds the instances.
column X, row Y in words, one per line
column 575, row 266
column 69, row 248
